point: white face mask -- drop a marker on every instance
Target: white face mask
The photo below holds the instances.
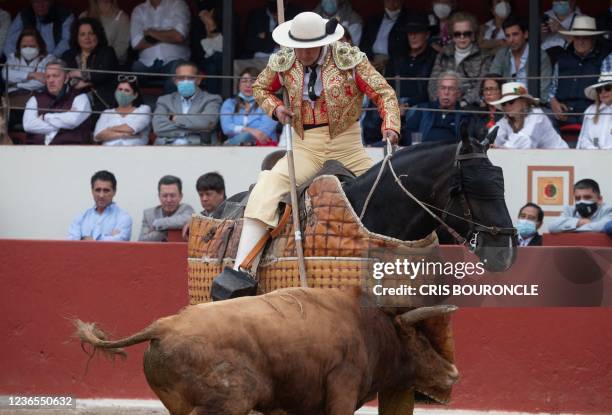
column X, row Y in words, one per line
column 503, row 9
column 393, row 14
column 442, row 10
column 29, row 53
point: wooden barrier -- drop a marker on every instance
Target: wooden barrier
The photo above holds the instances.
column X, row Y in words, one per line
column 576, row 239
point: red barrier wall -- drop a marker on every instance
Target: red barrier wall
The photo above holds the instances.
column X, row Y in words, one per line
column 532, row 360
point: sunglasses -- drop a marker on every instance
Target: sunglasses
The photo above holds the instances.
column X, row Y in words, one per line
column 509, row 102
column 606, row 88
column 126, row 78
column 469, row 33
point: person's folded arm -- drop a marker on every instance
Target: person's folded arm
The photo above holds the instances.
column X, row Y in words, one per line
column 176, row 221
column 162, row 126
column 147, row 234
column 34, row 124
column 206, row 120
column 74, row 232
column 70, row 120
column 598, row 225
column 564, row 223
column 139, row 120
column 124, row 226
column 266, row 125
column 228, row 126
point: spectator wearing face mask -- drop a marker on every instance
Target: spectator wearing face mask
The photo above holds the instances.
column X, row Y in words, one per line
column 588, row 214
column 243, row 121
column 188, row 116
column 492, row 36
column 560, row 17
column 441, row 33
column 24, row 74
column 343, row 11
column 529, row 222
column 127, row 124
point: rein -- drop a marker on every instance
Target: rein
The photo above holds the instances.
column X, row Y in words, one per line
column 475, row 227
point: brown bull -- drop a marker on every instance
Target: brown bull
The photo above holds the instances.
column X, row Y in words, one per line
column 303, row 351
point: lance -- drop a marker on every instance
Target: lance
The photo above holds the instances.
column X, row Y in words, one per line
column 294, row 199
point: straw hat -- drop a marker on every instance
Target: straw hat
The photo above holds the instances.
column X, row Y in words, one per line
column 604, row 79
column 307, row 30
column 583, row 26
column 511, row 91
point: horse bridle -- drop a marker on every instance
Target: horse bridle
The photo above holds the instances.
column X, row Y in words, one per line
column 475, row 227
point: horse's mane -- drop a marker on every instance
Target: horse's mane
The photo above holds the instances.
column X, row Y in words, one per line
column 428, row 146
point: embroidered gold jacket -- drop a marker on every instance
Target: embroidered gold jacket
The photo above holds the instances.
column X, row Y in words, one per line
column 346, row 75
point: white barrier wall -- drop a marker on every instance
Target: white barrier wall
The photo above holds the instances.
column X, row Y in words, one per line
column 44, row 188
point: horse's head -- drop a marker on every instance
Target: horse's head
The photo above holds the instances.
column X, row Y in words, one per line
column 411, row 193
column 477, row 195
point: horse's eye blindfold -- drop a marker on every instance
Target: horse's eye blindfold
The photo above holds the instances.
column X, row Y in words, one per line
column 478, row 182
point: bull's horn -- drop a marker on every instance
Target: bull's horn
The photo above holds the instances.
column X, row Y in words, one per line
column 418, row 314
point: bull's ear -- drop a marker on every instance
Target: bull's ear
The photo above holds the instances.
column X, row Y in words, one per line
column 405, row 328
column 422, row 313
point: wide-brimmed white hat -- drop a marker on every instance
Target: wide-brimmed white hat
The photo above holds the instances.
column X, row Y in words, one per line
column 308, row 30
column 583, row 26
column 591, row 90
column 511, row 91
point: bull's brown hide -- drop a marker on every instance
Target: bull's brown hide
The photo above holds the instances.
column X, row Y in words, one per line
column 305, row 351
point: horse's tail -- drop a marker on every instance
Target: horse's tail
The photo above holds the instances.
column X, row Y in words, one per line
column 90, row 333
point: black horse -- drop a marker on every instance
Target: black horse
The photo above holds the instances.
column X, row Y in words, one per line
column 460, row 184
column 422, row 188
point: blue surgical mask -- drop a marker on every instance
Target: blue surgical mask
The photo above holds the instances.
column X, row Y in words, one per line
column 329, row 6
column 186, row 88
column 526, row 228
column 124, row 99
column 250, row 99
column 561, row 8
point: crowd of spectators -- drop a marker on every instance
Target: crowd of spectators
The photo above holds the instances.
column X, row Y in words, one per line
column 106, row 221
column 459, row 68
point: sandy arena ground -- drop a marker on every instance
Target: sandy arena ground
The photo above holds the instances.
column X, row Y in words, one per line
column 150, row 407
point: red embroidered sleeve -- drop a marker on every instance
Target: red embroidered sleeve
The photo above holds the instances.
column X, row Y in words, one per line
column 372, row 83
column 264, row 89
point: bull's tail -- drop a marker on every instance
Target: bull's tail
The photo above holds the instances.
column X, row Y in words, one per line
column 91, row 334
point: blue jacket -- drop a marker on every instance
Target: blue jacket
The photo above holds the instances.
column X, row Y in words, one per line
column 258, row 119
column 422, row 121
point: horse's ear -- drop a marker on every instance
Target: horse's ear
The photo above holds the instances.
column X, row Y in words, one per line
column 491, row 136
column 464, row 133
